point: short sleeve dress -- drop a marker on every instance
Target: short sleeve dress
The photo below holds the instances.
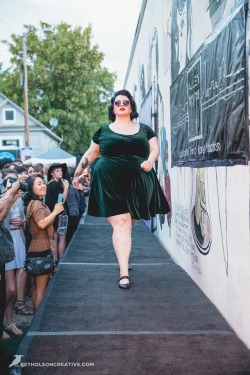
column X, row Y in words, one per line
column 119, row 184
column 41, row 239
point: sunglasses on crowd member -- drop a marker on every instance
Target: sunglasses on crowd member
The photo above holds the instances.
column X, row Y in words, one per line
column 118, row 103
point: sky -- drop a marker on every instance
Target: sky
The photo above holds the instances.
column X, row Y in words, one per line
column 113, row 25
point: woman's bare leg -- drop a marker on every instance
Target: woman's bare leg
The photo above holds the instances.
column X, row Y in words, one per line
column 122, row 228
column 41, row 283
column 61, row 245
column 10, row 293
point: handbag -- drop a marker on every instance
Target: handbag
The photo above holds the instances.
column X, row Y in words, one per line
column 7, row 253
column 39, row 262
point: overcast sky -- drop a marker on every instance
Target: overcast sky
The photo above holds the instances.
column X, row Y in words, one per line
column 113, row 24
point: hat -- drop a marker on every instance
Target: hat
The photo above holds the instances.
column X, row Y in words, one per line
column 54, row 166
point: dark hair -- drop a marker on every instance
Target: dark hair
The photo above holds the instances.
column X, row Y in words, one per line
column 20, row 169
column 29, row 194
column 40, row 165
column 7, row 171
column 67, row 177
column 17, row 161
column 27, row 166
column 4, row 161
column 126, row 93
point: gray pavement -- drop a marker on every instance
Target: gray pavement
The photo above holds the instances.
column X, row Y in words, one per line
column 162, row 325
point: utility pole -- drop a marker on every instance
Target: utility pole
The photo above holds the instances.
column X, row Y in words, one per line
column 25, row 93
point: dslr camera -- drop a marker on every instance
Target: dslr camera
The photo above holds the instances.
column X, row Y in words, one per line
column 22, row 185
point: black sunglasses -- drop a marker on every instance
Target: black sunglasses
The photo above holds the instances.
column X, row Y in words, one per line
column 122, row 102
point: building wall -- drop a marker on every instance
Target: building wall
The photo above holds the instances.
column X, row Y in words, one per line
column 41, row 139
column 207, row 231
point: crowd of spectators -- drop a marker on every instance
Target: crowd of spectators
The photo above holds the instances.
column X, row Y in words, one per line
column 15, row 284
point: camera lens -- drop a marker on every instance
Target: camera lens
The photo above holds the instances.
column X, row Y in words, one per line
column 23, row 186
column 11, row 180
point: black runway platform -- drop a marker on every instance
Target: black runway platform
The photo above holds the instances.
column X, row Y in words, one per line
column 162, row 325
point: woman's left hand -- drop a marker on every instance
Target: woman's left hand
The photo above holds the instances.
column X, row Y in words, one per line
column 147, row 165
column 17, row 221
column 65, row 183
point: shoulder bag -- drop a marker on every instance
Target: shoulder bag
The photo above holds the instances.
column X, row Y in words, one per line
column 39, row 262
column 7, row 253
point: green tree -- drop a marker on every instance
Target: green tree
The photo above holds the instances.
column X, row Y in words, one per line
column 66, row 80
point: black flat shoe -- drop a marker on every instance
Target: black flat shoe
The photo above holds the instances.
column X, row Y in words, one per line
column 124, row 286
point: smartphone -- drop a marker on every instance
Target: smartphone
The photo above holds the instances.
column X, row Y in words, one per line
column 60, row 198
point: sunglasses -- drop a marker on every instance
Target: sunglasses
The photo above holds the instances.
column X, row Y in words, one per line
column 123, row 102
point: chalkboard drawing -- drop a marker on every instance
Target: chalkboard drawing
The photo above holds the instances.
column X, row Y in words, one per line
column 200, row 221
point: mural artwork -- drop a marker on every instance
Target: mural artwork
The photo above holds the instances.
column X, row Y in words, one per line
column 152, row 114
column 208, row 125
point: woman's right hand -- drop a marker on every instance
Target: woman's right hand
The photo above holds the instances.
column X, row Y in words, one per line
column 3, row 202
column 76, row 183
column 14, row 188
column 58, row 208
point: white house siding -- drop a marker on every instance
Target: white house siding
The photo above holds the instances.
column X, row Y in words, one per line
column 41, row 139
column 215, row 194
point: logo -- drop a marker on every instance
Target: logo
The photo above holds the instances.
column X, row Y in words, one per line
column 16, row 360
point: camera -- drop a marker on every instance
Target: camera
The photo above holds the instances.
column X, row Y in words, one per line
column 22, row 185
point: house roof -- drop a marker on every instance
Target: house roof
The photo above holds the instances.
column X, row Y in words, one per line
column 38, row 123
column 56, row 153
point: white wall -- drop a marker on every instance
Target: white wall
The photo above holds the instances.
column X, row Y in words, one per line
column 219, row 194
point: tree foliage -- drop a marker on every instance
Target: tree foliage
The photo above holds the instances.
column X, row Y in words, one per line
column 66, row 80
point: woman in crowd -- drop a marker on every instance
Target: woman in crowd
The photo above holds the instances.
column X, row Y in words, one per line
column 56, row 185
column 21, row 173
column 29, row 168
column 14, row 222
column 124, row 185
column 73, row 201
column 5, row 204
column 40, row 220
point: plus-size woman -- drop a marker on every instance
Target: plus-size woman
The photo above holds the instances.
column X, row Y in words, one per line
column 124, row 185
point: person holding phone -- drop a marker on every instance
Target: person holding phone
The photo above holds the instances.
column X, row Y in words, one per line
column 57, row 191
column 40, row 220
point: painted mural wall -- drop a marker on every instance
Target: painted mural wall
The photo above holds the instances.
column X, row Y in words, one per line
column 188, row 74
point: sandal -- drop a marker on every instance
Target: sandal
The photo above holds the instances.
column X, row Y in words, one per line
column 21, row 308
column 12, row 328
column 5, row 337
column 124, row 286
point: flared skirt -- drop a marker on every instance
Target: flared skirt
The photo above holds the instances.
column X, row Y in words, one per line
column 120, row 185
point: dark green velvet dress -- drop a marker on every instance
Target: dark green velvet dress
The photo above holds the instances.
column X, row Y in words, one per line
column 119, row 184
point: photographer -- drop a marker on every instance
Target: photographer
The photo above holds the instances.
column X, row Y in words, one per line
column 14, row 270
column 6, row 202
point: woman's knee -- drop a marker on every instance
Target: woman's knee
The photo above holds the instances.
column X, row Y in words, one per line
column 10, row 290
column 123, row 221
